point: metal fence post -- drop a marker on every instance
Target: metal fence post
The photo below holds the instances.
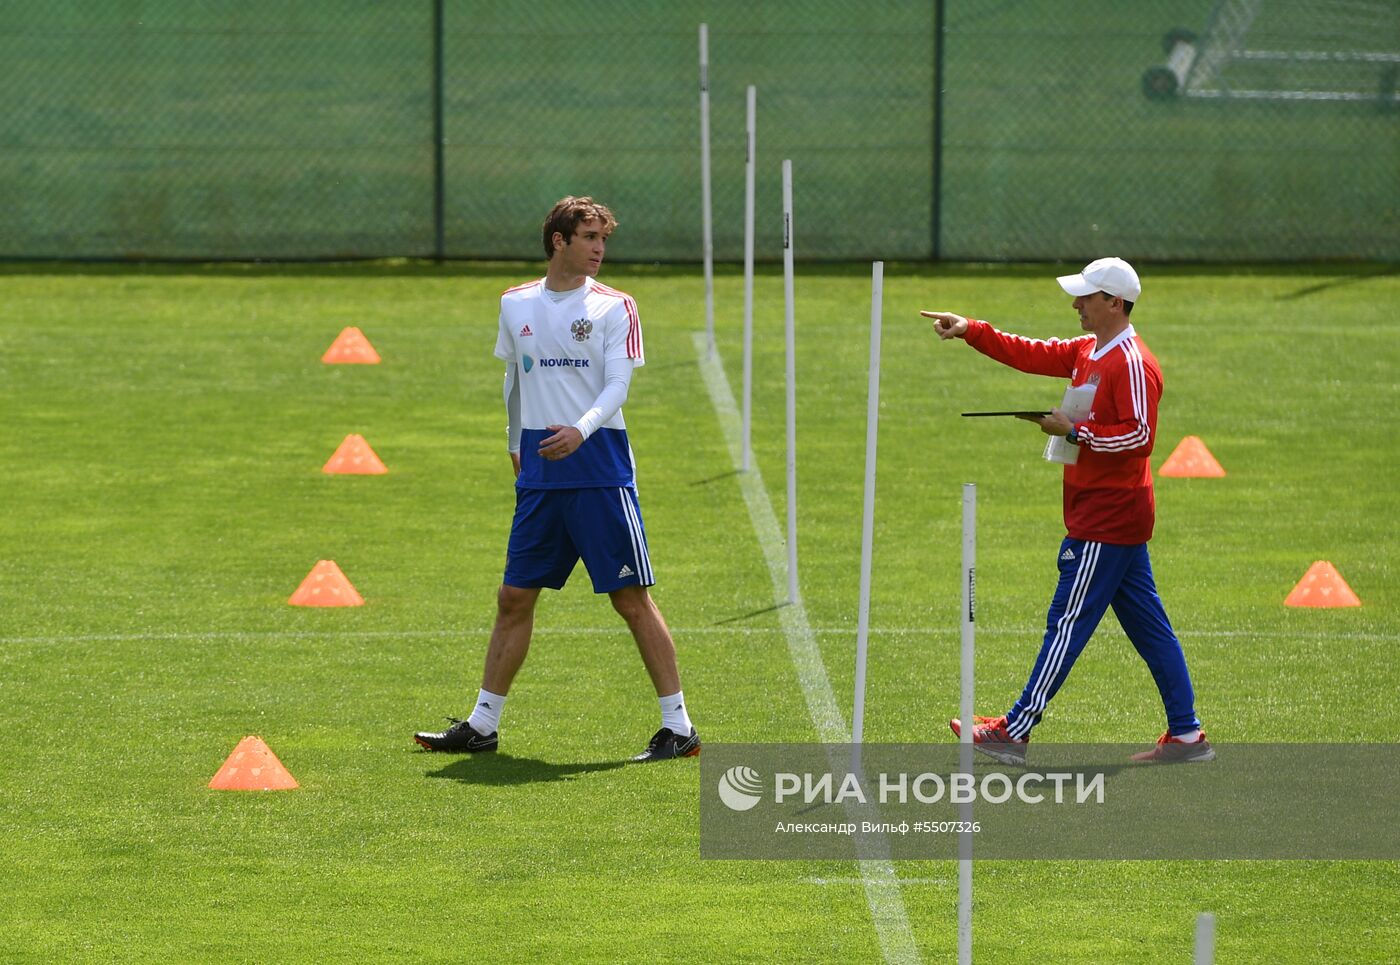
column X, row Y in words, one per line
column 936, row 215
column 439, row 247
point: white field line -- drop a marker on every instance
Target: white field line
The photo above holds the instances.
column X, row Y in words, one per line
column 885, row 902
column 899, row 882
column 468, row 632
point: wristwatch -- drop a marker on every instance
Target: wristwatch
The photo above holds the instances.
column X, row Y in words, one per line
column 1072, row 437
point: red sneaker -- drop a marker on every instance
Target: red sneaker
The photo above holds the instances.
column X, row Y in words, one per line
column 990, row 737
column 1169, row 750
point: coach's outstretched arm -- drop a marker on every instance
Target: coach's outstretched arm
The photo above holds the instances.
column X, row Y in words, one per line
column 1054, row 357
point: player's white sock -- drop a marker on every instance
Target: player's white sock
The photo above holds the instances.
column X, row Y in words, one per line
column 486, row 715
column 1190, row 737
column 673, row 713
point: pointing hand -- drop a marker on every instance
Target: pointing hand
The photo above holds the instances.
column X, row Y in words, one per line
column 947, row 325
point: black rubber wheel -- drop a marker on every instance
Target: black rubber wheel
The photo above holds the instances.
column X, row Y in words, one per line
column 1159, row 84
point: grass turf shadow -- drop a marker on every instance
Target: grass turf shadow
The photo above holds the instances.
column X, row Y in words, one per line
column 503, row 769
column 753, row 613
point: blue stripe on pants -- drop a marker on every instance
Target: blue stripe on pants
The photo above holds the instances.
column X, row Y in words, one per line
column 1093, row 577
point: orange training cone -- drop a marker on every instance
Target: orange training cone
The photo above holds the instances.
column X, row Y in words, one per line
column 351, row 347
column 355, row 457
column 1322, row 586
column 252, row 767
column 325, row 585
column 1191, row 458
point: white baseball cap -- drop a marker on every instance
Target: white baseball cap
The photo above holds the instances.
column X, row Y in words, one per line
column 1112, row 275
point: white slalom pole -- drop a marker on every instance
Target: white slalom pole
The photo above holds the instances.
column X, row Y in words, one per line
column 1205, row 939
column 749, row 161
column 969, row 609
column 791, row 330
column 867, row 526
column 706, row 216
column 969, row 621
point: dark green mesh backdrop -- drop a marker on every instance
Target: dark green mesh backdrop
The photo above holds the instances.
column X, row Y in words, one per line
column 179, row 129
column 183, row 129
column 551, row 98
column 1051, row 148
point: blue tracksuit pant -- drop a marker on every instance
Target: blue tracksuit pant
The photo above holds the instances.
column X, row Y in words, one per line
column 1093, row 577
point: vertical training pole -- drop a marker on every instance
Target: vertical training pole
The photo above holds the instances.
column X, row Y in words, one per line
column 1205, row 939
column 791, row 331
column 969, row 607
column 867, row 526
column 969, row 620
column 749, row 161
column 706, row 217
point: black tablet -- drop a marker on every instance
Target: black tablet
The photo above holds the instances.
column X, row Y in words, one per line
column 1033, row 413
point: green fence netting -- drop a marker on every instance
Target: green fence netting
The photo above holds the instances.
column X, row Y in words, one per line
column 1053, row 145
column 1172, row 129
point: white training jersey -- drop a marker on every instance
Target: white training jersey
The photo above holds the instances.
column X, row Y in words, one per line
column 561, row 349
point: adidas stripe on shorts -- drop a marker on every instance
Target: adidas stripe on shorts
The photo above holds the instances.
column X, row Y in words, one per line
column 555, row 528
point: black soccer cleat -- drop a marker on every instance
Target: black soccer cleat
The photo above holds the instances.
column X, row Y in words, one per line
column 666, row 744
column 460, row 738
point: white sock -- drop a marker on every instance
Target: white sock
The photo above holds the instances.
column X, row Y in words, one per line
column 1190, row 737
column 673, row 714
column 486, row 715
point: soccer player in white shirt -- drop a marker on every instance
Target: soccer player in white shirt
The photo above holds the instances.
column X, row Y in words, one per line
column 569, row 345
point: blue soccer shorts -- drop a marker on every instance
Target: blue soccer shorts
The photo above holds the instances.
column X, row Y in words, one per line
column 555, row 528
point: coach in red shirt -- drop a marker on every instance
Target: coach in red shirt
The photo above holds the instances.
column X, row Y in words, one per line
column 1108, row 506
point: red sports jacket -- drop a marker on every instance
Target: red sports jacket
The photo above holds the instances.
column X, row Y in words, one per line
column 1108, row 492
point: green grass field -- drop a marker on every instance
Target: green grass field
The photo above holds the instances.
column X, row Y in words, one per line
column 162, row 493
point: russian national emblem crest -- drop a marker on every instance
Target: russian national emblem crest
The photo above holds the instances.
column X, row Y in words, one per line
column 581, row 329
